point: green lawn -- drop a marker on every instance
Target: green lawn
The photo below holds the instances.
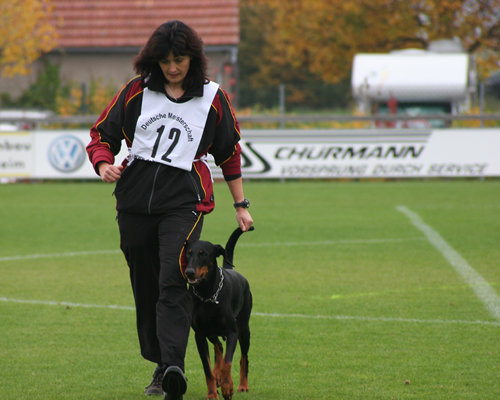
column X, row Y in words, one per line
column 351, row 300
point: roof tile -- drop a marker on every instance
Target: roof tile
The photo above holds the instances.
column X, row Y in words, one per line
column 129, row 23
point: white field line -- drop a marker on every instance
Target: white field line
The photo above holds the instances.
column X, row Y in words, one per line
column 58, row 255
column 266, row 315
column 65, row 304
column 271, row 244
column 479, row 285
column 328, row 242
column 376, row 319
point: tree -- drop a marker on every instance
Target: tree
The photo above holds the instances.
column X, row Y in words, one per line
column 263, row 67
column 42, row 93
column 25, row 34
column 322, row 37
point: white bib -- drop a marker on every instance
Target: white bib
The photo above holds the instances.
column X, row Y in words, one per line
column 169, row 132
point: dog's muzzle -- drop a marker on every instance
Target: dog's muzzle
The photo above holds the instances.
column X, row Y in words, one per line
column 191, row 277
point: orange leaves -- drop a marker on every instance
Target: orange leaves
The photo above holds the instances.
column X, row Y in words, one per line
column 321, row 37
column 74, row 100
column 25, row 34
column 487, row 62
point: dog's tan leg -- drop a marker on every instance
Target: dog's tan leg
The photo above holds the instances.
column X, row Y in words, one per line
column 243, row 387
column 219, row 362
column 226, row 382
column 212, row 388
column 211, row 384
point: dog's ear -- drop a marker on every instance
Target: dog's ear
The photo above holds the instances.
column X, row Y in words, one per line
column 219, row 250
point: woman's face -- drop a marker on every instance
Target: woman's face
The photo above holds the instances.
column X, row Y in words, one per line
column 175, row 68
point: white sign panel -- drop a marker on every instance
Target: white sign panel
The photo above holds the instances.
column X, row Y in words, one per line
column 16, row 154
column 286, row 154
column 61, row 155
column 47, row 155
column 372, row 154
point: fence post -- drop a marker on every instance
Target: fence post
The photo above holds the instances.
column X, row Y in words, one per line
column 282, row 105
column 481, row 101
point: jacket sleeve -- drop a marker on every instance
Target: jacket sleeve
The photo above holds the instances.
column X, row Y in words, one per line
column 226, row 149
column 107, row 133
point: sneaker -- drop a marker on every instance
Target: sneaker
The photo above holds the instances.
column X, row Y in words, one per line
column 154, row 388
column 174, row 383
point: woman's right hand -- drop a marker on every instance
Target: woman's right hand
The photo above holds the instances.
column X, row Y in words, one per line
column 108, row 172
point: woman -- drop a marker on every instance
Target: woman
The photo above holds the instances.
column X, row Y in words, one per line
column 170, row 117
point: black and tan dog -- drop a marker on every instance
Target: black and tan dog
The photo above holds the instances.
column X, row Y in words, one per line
column 222, row 307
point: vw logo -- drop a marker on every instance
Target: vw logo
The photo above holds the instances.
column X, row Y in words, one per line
column 66, row 153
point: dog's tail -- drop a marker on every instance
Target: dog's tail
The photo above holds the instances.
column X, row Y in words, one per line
column 230, row 245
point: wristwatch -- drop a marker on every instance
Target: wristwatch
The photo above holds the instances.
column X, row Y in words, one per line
column 244, row 204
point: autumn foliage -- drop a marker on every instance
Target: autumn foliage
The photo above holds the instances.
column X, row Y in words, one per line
column 321, row 37
column 25, row 33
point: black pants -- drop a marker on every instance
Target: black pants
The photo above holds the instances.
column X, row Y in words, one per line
column 152, row 245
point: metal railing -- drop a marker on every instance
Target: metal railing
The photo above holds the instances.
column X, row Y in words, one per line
column 41, row 122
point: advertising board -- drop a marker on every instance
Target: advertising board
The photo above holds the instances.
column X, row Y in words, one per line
column 286, row 154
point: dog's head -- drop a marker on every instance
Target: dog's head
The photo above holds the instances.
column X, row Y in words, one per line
column 201, row 260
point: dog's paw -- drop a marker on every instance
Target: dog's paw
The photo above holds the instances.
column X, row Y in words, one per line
column 226, row 383
column 213, row 396
column 228, row 396
column 227, row 389
column 243, row 388
column 212, row 389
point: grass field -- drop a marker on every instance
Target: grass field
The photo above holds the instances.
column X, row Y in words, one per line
column 362, row 290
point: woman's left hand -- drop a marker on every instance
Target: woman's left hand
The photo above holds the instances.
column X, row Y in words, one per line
column 244, row 218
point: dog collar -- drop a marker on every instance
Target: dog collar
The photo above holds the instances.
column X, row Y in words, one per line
column 212, row 299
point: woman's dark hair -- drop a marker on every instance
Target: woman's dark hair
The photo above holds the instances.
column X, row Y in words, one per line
column 178, row 38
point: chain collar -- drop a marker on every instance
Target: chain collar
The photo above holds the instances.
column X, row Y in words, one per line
column 212, row 299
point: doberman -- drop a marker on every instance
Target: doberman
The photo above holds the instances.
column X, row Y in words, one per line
column 222, row 304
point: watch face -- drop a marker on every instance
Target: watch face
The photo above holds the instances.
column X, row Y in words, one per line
column 244, row 204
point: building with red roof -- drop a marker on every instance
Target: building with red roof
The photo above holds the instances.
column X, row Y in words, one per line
column 99, row 39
